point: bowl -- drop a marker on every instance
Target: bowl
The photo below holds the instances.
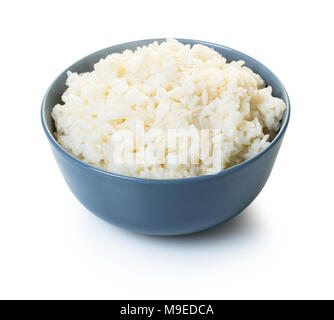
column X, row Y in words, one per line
column 164, row 207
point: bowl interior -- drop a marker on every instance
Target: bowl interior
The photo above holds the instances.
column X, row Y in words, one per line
column 53, row 96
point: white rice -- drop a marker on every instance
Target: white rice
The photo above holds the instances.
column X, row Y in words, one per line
column 167, row 86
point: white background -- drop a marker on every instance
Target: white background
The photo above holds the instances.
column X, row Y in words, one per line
column 282, row 246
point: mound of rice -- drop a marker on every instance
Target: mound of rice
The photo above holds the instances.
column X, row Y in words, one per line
column 167, row 86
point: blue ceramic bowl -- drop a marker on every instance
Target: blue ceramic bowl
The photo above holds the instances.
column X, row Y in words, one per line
column 164, row 207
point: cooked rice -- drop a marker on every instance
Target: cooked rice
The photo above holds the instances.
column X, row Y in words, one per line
column 167, row 86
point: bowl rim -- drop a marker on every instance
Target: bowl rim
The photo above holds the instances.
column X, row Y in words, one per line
column 69, row 156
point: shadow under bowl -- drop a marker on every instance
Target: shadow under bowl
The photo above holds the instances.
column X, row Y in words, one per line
column 164, row 207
